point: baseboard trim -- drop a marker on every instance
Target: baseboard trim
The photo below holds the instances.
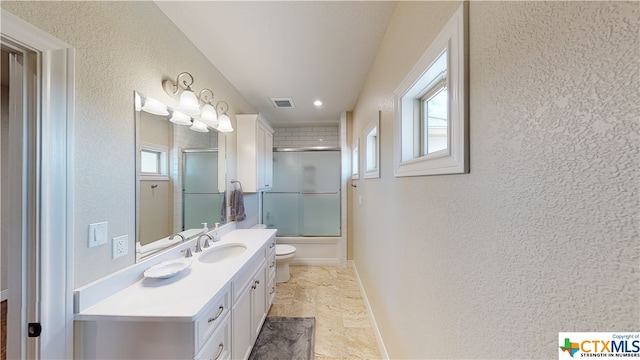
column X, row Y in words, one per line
column 315, row 261
column 374, row 324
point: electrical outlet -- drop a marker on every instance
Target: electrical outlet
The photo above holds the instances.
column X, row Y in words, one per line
column 120, row 246
column 97, row 234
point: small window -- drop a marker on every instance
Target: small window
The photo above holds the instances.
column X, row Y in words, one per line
column 354, row 162
column 431, row 107
column 153, row 162
column 150, row 162
column 372, row 148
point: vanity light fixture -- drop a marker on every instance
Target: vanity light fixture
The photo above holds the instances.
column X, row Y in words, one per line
column 189, row 111
column 209, row 115
column 225, row 122
column 189, row 103
column 199, row 126
column 155, row 107
column 180, row 119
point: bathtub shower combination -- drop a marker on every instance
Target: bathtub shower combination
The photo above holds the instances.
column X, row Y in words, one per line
column 305, row 198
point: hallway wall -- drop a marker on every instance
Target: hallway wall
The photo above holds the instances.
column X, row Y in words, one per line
column 120, row 47
column 542, row 235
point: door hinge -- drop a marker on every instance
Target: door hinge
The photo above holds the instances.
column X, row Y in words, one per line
column 34, row 329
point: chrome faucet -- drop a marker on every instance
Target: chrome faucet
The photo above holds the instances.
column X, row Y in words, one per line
column 206, row 242
column 188, row 253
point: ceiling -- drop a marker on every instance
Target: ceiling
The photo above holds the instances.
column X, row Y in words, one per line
column 307, row 50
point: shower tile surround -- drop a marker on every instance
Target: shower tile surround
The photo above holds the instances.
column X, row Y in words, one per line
column 305, row 136
column 332, row 296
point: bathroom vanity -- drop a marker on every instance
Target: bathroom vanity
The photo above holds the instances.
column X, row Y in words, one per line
column 212, row 310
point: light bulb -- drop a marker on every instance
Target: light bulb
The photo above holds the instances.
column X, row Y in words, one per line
column 209, row 116
column 155, row 107
column 225, row 124
column 189, row 103
column 199, row 126
column 180, row 118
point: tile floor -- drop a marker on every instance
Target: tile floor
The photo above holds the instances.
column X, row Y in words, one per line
column 331, row 294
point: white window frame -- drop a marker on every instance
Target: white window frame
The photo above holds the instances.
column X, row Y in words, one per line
column 371, row 138
column 163, row 162
column 455, row 160
column 355, row 161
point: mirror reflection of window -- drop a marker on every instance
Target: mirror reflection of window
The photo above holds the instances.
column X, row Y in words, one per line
column 151, row 162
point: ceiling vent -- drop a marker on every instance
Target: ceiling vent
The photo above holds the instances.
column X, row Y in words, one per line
column 283, row 103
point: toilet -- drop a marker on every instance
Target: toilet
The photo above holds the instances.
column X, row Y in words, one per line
column 284, row 255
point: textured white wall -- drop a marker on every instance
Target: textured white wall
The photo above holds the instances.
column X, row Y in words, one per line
column 120, row 47
column 542, row 235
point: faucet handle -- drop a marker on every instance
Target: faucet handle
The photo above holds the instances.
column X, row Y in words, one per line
column 206, row 243
column 187, row 253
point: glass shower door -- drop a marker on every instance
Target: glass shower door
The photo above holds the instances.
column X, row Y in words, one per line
column 320, row 197
column 305, row 198
column 202, row 201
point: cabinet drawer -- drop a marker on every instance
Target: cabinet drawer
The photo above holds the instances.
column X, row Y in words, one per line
column 218, row 346
column 271, row 247
column 212, row 316
column 271, row 266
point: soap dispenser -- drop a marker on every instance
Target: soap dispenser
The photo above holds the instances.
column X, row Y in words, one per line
column 216, row 237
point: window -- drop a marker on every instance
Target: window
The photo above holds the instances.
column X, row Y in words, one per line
column 431, row 107
column 153, row 162
column 150, row 162
column 354, row 161
column 372, row 148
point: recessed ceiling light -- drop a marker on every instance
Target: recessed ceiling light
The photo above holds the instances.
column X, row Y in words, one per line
column 317, row 103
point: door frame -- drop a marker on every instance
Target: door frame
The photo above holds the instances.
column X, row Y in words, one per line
column 52, row 250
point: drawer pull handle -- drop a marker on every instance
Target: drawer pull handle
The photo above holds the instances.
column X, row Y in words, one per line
column 255, row 284
column 220, row 348
column 220, row 310
column 272, row 245
column 272, row 264
column 273, row 289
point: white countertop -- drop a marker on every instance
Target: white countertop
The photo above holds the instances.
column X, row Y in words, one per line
column 183, row 296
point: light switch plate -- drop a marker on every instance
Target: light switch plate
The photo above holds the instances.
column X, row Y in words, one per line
column 120, row 246
column 97, row 234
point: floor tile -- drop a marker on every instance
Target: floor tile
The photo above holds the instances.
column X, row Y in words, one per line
column 332, row 296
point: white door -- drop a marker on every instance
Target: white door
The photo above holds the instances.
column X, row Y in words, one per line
column 37, row 198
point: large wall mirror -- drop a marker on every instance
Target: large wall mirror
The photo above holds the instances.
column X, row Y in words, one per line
column 180, row 177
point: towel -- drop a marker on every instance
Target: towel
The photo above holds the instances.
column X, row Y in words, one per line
column 223, row 210
column 237, row 205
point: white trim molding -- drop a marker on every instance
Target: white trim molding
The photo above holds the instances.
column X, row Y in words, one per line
column 448, row 49
column 55, row 115
column 374, row 325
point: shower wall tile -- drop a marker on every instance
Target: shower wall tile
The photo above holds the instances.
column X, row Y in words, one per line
column 303, row 136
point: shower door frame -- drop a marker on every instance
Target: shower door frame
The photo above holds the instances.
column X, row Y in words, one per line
column 302, row 192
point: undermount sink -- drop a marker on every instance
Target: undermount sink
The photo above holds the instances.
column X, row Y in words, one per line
column 221, row 253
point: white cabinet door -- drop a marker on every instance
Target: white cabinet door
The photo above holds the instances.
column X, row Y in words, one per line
column 249, row 313
column 258, row 301
column 242, row 333
column 255, row 152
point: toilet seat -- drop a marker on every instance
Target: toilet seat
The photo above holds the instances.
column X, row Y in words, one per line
column 282, row 250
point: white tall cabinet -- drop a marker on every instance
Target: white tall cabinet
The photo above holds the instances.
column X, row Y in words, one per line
column 255, row 152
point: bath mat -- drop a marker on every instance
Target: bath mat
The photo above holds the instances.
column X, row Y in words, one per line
column 285, row 338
